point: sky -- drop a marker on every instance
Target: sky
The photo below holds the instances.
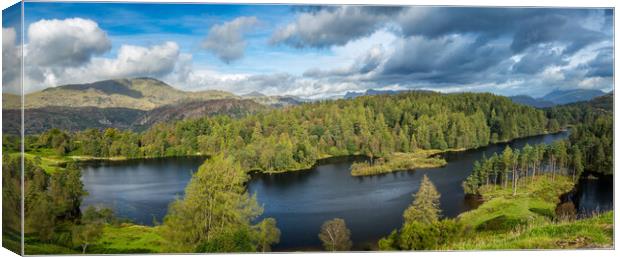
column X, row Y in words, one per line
column 313, row 51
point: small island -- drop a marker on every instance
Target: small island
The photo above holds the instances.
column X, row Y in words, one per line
column 398, row 161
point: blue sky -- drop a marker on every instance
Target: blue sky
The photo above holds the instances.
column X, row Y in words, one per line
column 318, row 51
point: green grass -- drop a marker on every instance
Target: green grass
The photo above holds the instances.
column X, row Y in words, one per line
column 11, row 240
column 534, row 202
column 595, row 232
column 129, row 238
column 527, row 220
column 122, row 239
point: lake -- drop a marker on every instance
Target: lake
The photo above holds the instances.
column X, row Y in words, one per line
column 301, row 201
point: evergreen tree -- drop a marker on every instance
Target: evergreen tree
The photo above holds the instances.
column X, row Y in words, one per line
column 425, row 206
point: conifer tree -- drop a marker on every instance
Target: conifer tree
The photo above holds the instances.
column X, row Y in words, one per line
column 425, row 207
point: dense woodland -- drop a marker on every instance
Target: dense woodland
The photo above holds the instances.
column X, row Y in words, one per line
column 588, row 148
column 217, row 214
column 295, row 137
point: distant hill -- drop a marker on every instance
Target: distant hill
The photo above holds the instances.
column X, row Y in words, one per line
column 571, row 96
column 351, row 95
column 138, row 93
column 254, row 94
column 530, row 101
column 558, row 97
column 37, row 120
column 275, row 101
column 197, row 109
column 126, row 104
column 604, row 102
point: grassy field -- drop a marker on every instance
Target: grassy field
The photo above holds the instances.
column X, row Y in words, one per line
column 527, row 220
column 596, row 232
column 129, row 238
column 121, row 239
column 399, row 161
column 535, row 201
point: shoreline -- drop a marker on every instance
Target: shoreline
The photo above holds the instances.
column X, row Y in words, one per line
column 60, row 161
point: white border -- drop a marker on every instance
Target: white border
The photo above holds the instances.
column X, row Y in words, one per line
column 522, row 3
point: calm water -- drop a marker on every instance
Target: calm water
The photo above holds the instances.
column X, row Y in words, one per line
column 138, row 189
column 301, row 201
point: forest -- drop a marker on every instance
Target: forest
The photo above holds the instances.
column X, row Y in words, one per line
column 294, row 138
column 217, row 214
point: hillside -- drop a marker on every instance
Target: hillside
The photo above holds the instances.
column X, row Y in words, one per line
column 138, row 93
column 604, row 102
column 571, row 96
column 351, row 94
column 38, row 120
column 531, row 101
column 196, row 109
column 274, row 101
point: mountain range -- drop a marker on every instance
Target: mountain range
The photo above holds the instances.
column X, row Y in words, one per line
column 142, row 102
column 558, row 97
column 126, row 104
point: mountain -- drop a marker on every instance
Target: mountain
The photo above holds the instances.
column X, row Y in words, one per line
column 254, row 94
column 603, row 103
column 530, row 101
column 197, row 109
column 38, row 120
column 351, row 94
column 126, row 104
column 571, row 96
column 275, row 101
column 138, row 93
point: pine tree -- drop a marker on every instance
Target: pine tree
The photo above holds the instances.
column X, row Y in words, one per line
column 425, row 207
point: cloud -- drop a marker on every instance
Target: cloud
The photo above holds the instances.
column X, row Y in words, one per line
column 332, row 26
column 450, row 59
column 529, row 50
column 157, row 60
column 536, row 59
column 334, row 49
column 602, row 65
column 523, row 26
column 11, row 62
column 226, row 40
column 131, row 61
column 69, row 42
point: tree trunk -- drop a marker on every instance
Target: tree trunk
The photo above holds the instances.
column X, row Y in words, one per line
column 514, row 180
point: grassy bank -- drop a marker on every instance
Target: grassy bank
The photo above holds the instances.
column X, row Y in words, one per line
column 398, row 161
column 121, row 239
column 594, row 232
column 528, row 220
column 535, row 201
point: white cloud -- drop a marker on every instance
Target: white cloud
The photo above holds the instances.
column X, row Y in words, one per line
column 10, row 62
column 68, row 42
column 332, row 26
column 157, row 60
column 226, row 40
column 131, row 61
